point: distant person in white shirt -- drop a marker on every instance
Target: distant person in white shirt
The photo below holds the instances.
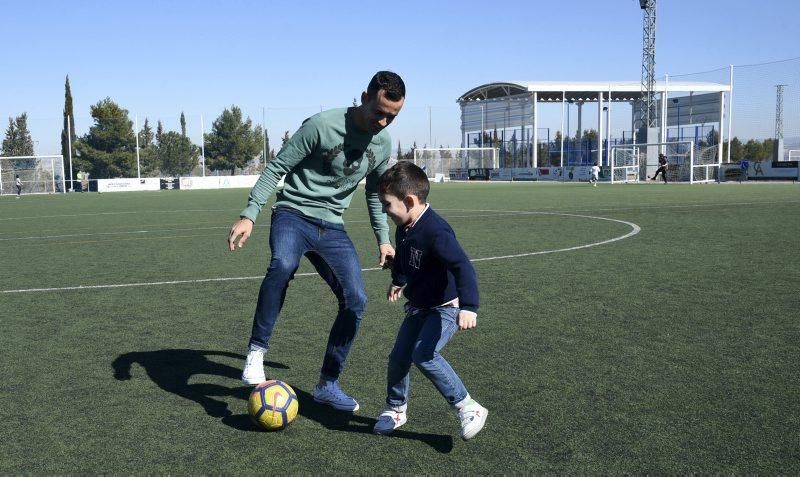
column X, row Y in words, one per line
column 19, row 186
column 595, row 174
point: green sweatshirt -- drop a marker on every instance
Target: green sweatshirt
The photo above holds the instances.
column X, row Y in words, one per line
column 323, row 162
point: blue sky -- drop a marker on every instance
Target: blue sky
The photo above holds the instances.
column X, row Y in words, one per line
column 288, row 59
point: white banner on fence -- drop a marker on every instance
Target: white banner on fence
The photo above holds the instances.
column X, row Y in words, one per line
column 128, row 185
column 220, row 182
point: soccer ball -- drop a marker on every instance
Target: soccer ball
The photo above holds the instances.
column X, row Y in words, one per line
column 273, row 405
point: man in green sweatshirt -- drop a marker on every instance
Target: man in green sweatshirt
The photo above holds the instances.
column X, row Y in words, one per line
column 323, row 163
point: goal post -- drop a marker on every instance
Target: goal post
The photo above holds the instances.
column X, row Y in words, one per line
column 38, row 174
column 454, row 161
column 686, row 162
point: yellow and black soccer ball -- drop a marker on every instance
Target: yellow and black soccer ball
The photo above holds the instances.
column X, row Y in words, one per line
column 273, row 405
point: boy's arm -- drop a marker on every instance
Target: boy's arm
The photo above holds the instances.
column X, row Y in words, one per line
column 456, row 260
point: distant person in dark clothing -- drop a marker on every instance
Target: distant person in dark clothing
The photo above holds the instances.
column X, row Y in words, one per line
column 662, row 168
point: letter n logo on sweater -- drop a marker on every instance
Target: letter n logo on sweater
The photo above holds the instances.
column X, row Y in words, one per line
column 415, row 258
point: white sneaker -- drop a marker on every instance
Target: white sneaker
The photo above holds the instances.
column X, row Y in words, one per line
column 472, row 417
column 390, row 419
column 254, row 368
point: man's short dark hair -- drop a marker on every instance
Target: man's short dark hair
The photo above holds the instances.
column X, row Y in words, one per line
column 390, row 82
column 404, row 179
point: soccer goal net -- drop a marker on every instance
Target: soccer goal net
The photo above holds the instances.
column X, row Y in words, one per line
column 454, row 162
column 686, row 162
column 37, row 174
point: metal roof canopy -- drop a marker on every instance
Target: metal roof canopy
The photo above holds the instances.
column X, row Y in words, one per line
column 548, row 91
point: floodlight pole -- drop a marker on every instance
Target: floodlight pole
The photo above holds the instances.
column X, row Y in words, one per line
column 730, row 114
column 69, row 145
column 203, row 145
column 136, row 133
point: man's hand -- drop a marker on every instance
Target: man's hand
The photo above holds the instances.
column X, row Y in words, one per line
column 467, row 320
column 386, row 255
column 242, row 228
column 394, row 293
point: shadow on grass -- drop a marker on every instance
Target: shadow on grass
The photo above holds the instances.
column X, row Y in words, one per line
column 171, row 370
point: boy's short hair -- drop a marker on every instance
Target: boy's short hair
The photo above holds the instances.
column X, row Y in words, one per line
column 390, row 82
column 404, row 179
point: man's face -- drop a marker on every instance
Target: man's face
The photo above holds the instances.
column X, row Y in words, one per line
column 396, row 209
column 379, row 112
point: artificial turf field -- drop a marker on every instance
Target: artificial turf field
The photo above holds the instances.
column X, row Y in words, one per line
column 625, row 329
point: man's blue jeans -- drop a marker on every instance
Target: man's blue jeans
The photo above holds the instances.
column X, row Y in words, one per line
column 329, row 249
column 423, row 333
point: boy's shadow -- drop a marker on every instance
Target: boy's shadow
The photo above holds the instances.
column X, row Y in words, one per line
column 171, row 370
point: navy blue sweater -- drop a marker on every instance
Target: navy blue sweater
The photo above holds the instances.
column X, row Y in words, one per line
column 432, row 265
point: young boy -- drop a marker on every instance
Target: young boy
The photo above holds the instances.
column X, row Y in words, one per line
column 431, row 269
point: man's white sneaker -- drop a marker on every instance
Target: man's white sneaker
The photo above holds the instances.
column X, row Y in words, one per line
column 472, row 417
column 390, row 419
column 332, row 395
column 254, row 368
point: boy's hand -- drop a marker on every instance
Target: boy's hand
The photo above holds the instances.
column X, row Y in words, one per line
column 394, row 293
column 243, row 227
column 386, row 255
column 467, row 320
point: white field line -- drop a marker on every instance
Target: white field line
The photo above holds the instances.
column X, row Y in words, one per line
column 635, row 229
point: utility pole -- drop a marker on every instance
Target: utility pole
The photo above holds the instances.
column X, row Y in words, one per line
column 777, row 146
column 647, row 104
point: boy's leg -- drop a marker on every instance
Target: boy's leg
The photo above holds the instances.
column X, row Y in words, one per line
column 437, row 330
column 287, row 243
column 397, row 380
column 438, row 327
column 336, row 260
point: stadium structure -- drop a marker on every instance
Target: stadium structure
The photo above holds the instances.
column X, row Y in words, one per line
column 513, row 115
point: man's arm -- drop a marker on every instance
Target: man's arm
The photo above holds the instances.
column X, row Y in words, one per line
column 377, row 217
column 299, row 146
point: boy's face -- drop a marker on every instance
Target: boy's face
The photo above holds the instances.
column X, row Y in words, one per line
column 378, row 112
column 397, row 209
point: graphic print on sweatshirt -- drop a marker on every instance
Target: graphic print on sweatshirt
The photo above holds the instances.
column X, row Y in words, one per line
column 349, row 159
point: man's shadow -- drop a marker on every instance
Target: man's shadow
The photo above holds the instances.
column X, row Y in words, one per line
column 171, row 370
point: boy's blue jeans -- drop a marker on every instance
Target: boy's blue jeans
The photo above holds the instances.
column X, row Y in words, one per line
column 423, row 333
column 329, row 249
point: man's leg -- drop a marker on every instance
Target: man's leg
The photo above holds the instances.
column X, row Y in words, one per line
column 336, row 260
column 287, row 240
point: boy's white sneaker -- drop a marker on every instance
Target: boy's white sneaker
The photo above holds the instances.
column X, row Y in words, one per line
column 472, row 417
column 390, row 419
column 253, row 372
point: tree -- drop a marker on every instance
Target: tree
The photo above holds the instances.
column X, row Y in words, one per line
column 148, row 157
column 68, row 143
column 146, row 135
column 18, row 141
column 176, row 154
column 109, row 148
column 159, row 132
column 183, row 125
column 268, row 155
column 444, row 153
column 284, row 139
column 232, row 142
column 399, row 151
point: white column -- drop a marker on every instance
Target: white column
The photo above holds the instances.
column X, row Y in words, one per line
column 563, row 104
column 535, row 132
column 608, row 126
column 136, row 134
column 600, row 129
column 730, row 115
column 664, row 99
column 721, row 124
